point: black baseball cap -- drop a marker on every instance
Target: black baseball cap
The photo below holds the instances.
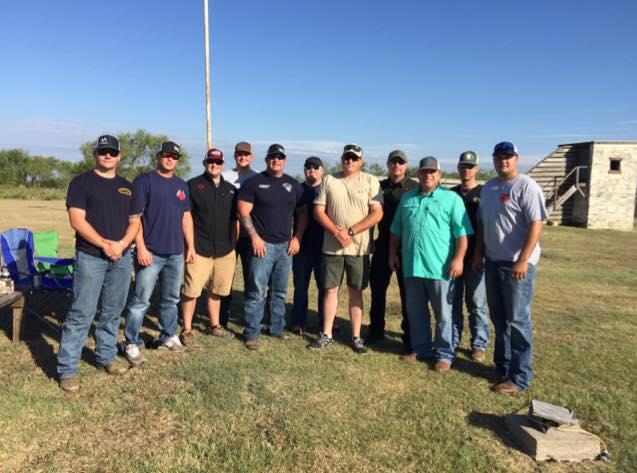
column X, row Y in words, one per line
column 468, row 157
column 276, row 150
column 169, row 147
column 107, row 142
column 313, row 161
column 397, row 154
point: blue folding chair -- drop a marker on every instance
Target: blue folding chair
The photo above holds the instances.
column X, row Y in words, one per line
column 41, row 279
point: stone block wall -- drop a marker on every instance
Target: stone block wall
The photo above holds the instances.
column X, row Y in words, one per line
column 611, row 202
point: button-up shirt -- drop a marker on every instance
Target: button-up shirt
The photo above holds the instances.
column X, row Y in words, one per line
column 214, row 212
column 429, row 226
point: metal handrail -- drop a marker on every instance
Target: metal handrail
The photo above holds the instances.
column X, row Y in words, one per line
column 556, row 185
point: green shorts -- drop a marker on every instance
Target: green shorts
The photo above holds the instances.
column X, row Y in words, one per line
column 356, row 267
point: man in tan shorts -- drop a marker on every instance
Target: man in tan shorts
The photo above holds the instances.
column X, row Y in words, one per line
column 213, row 203
column 349, row 204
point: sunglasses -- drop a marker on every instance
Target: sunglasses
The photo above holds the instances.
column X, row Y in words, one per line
column 242, row 153
column 349, row 157
column 467, row 166
column 104, row 152
column 397, row 161
column 170, row 155
column 354, row 148
column 312, row 166
column 216, row 161
column 276, row 156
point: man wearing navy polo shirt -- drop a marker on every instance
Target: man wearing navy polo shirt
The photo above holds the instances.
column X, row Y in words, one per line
column 511, row 218
column 104, row 214
column 431, row 225
column 269, row 204
column 166, row 224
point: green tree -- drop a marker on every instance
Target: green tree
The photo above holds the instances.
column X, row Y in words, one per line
column 138, row 154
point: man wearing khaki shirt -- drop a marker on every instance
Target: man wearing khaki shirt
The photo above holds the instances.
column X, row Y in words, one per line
column 349, row 204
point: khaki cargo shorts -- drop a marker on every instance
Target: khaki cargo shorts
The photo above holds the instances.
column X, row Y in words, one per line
column 214, row 273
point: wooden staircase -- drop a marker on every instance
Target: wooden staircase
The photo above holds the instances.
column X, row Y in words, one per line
column 562, row 175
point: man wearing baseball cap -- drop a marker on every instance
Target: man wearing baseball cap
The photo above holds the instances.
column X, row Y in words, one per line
column 166, row 235
column 511, row 217
column 105, row 216
column 393, row 188
column 469, row 287
column 431, row 227
column 310, row 255
column 216, row 227
column 273, row 213
column 348, row 206
column 237, row 176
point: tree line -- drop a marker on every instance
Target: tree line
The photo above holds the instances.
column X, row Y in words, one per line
column 18, row 168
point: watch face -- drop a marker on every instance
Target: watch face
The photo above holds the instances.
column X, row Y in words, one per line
column 350, row 232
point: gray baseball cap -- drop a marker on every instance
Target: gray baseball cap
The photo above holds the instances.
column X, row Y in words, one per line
column 429, row 162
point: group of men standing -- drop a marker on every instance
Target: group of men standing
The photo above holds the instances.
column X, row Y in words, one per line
column 442, row 244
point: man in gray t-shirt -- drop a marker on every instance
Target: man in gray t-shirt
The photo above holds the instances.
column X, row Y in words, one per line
column 511, row 217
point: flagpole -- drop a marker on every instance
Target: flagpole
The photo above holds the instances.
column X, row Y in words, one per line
column 207, row 49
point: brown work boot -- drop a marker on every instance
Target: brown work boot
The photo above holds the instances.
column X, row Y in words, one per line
column 506, row 388
column 283, row 336
column 252, row 345
column 187, row 338
column 219, row 331
column 442, row 366
column 478, row 355
column 409, row 357
column 114, row 369
column 70, row 385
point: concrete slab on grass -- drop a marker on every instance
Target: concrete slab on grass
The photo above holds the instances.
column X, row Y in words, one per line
column 553, row 444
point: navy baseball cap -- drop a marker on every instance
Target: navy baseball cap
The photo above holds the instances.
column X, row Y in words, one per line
column 506, row 148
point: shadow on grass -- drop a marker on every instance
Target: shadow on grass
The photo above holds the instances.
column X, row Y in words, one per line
column 494, row 423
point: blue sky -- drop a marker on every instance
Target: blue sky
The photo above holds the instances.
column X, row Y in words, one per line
column 428, row 77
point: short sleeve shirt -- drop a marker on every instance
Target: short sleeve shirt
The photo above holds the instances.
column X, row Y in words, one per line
column 347, row 202
column 471, row 199
column 164, row 202
column 392, row 193
column 274, row 201
column 236, row 179
column 312, row 241
column 108, row 204
column 428, row 226
column 214, row 212
column 506, row 211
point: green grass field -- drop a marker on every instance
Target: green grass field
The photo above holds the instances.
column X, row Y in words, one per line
column 220, row 407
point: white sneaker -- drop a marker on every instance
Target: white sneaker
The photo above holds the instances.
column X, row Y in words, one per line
column 134, row 355
column 173, row 344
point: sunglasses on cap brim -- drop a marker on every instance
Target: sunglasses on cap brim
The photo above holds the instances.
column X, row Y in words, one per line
column 355, row 148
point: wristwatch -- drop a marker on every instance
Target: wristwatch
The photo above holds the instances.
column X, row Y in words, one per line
column 350, row 232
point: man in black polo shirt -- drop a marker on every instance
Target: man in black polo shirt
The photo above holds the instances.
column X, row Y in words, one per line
column 470, row 284
column 213, row 208
column 269, row 204
column 105, row 217
column 393, row 188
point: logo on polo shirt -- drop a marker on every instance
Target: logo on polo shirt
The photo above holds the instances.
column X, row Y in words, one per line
column 264, row 186
column 181, row 195
column 125, row 191
column 476, row 200
column 287, row 186
column 504, row 198
column 201, row 187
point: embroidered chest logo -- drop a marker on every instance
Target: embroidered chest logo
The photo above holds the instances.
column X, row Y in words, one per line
column 476, row 200
column 125, row 191
column 504, row 198
column 201, row 187
column 181, row 195
column 287, row 186
column 264, row 186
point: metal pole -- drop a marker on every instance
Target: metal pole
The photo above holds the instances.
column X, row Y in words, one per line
column 207, row 49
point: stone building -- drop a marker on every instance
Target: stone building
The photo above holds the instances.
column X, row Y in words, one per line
column 590, row 184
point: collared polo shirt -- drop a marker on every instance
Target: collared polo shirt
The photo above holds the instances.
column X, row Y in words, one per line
column 214, row 212
column 392, row 193
column 429, row 226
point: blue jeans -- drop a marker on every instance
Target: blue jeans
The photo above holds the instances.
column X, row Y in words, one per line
column 510, row 308
column 303, row 264
column 170, row 269
column 273, row 267
column 470, row 287
column 419, row 293
column 94, row 279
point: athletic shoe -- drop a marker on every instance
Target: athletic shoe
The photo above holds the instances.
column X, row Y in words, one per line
column 172, row 344
column 322, row 342
column 358, row 345
column 133, row 354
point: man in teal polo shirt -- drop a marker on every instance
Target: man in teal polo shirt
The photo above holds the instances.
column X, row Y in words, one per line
column 431, row 225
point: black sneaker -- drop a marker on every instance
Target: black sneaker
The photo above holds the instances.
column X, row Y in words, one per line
column 358, row 345
column 322, row 342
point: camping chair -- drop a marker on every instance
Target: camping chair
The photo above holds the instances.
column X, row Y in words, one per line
column 41, row 278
